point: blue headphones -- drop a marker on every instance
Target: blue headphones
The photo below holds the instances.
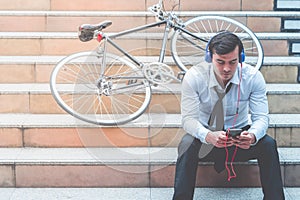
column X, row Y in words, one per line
column 208, row 56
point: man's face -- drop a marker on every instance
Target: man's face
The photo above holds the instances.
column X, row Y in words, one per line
column 225, row 65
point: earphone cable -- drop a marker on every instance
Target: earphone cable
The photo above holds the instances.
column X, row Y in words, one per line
column 227, row 135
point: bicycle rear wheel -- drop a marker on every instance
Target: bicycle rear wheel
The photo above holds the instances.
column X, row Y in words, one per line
column 188, row 51
column 104, row 94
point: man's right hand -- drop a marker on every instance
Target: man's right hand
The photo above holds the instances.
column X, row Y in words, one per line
column 219, row 139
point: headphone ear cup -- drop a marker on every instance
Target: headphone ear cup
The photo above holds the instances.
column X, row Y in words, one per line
column 208, row 57
column 242, row 56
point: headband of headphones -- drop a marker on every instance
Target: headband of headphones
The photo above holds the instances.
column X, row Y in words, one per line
column 208, row 54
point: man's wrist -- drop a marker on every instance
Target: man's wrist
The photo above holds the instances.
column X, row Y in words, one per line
column 253, row 138
column 207, row 137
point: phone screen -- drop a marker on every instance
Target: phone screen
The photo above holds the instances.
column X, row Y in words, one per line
column 234, row 132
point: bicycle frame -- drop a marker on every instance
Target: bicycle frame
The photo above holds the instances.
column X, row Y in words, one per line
column 169, row 24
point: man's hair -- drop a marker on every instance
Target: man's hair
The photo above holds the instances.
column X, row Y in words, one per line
column 224, row 43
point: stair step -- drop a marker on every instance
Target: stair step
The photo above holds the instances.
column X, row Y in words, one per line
column 37, row 98
column 138, row 35
column 155, row 130
column 59, row 43
column 113, row 156
column 146, row 120
column 183, row 13
column 174, row 88
column 30, row 69
column 53, row 59
column 122, row 167
column 119, row 5
column 258, row 21
column 136, row 193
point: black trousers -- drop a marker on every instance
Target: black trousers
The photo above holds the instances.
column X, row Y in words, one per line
column 265, row 151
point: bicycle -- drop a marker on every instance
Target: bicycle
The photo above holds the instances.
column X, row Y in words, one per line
column 103, row 88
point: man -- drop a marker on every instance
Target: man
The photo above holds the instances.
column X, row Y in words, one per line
column 244, row 91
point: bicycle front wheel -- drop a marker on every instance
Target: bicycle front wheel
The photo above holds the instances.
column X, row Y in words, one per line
column 102, row 90
column 188, row 51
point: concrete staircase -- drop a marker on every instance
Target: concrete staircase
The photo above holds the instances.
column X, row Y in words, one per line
column 46, row 153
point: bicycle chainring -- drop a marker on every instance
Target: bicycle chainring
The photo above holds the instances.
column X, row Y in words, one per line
column 158, row 73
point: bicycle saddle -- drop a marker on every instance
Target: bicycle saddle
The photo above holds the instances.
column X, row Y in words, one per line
column 86, row 31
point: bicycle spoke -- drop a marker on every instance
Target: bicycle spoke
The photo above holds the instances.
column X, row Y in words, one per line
column 125, row 106
column 69, row 77
column 102, row 109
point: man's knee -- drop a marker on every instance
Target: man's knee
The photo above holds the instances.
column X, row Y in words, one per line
column 186, row 142
column 268, row 141
column 267, row 147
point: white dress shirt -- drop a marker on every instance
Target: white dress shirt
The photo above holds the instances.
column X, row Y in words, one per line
column 198, row 98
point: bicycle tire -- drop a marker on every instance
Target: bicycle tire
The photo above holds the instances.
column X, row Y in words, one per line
column 188, row 51
column 113, row 95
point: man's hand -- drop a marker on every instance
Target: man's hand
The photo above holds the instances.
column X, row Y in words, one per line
column 244, row 140
column 219, row 139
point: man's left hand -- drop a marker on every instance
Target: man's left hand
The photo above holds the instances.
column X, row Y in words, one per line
column 244, row 140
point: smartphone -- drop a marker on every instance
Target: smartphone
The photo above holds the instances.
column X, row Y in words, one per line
column 235, row 132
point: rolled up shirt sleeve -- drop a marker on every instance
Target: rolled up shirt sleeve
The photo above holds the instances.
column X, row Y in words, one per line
column 190, row 107
column 258, row 106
